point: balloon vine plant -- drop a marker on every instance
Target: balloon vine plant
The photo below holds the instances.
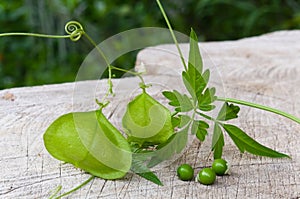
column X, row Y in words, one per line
column 90, row 142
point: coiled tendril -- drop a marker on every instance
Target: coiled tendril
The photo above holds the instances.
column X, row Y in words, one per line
column 74, row 29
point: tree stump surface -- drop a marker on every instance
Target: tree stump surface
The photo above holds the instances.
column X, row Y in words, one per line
column 263, row 69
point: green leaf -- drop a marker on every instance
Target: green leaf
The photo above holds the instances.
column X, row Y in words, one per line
column 181, row 101
column 201, row 133
column 172, row 97
column 147, row 121
column 246, row 143
column 175, row 121
column 200, row 129
column 193, row 81
column 140, row 168
column 180, row 120
column 175, row 144
column 192, row 78
column 206, row 75
column 189, row 84
column 205, row 99
column 208, row 96
column 151, row 177
column 195, row 58
column 207, row 107
column 185, row 103
column 203, row 124
column 184, row 120
column 217, row 142
column 228, row 112
column 194, row 128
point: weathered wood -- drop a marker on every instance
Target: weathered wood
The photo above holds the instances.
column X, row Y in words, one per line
column 261, row 69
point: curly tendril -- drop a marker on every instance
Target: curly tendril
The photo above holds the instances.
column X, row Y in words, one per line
column 74, row 32
column 74, row 29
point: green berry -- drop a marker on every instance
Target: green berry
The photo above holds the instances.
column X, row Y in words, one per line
column 220, row 166
column 206, row 176
column 185, row 172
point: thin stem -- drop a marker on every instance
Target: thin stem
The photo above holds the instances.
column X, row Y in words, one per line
column 76, row 188
column 55, row 192
column 130, row 72
column 35, row 35
column 172, row 32
column 110, row 85
column 262, row 107
column 98, row 49
column 207, row 116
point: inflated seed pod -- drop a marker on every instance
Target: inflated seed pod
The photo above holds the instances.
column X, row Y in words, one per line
column 90, row 142
column 146, row 121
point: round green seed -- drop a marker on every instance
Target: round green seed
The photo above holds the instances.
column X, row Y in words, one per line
column 206, row 176
column 220, row 166
column 185, row 172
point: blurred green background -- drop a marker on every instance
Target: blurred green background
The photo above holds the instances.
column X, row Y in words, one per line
column 28, row 61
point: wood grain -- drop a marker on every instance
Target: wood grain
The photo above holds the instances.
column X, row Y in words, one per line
column 263, row 69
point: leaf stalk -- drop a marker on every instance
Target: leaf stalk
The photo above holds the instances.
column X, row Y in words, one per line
column 261, row 107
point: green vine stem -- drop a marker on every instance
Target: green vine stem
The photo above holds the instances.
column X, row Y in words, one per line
column 73, row 28
column 262, row 107
column 110, row 85
column 34, row 35
column 76, row 188
column 55, row 192
column 74, row 32
column 172, row 32
column 139, row 75
column 207, row 117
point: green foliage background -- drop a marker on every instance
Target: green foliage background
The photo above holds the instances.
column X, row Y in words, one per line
column 28, row 61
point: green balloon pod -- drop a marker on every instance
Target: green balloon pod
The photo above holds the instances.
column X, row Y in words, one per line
column 147, row 121
column 90, row 142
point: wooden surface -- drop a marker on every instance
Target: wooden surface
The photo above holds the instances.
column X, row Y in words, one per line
column 263, row 69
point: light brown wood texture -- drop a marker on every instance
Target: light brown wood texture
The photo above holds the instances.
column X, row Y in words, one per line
column 264, row 69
